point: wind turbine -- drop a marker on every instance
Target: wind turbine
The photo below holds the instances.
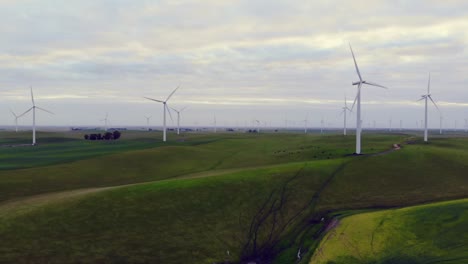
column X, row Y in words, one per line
column 358, row 100
column 105, row 121
column 258, row 125
column 306, row 120
column 321, row 125
column 16, row 120
column 214, row 122
column 178, row 117
column 466, row 125
column 147, row 122
column 33, row 108
column 165, row 107
column 425, row 97
column 345, row 109
column 440, row 130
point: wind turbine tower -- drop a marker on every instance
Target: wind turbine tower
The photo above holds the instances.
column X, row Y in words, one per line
column 441, row 118
column 33, row 108
column 358, row 101
column 345, row 109
column 147, row 122
column 306, row 120
column 105, row 121
column 16, row 120
column 178, row 118
column 165, row 107
column 425, row 97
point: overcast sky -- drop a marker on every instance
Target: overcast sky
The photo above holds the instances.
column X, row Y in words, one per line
column 238, row 60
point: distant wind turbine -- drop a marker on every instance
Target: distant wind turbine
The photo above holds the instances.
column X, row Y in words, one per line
column 306, row 121
column 358, row 100
column 258, row 125
column 147, row 122
column 425, row 97
column 33, row 108
column 345, row 109
column 165, row 107
column 321, row 125
column 214, row 123
column 105, row 121
column 441, row 119
column 16, row 120
column 178, row 117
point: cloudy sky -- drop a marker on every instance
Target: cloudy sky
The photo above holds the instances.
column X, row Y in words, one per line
column 241, row 60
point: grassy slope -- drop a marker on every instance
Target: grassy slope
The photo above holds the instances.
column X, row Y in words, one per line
column 174, row 221
column 188, row 219
column 196, row 154
column 417, row 173
column 434, row 233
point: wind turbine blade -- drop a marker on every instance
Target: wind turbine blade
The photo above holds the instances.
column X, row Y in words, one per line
column 25, row 112
column 174, row 109
column 32, row 96
column 355, row 99
column 172, row 93
column 434, row 103
column 374, row 84
column 422, row 98
column 13, row 113
column 154, row 100
column 183, row 108
column 169, row 111
column 44, row 110
column 355, row 63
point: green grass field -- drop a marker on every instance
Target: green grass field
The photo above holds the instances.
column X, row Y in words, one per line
column 199, row 196
column 434, row 233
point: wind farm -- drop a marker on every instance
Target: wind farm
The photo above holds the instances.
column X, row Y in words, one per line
column 270, row 147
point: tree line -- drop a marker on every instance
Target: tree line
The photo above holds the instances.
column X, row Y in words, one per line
column 106, row 136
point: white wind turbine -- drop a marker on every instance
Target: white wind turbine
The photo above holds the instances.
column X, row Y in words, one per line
column 258, row 125
column 358, row 100
column 165, row 107
column 306, row 121
column 343, row 112
column 178, row 117
column 33, row 108
column 321, row 125
column 440, row 124
column 147, row 122
column 16, row 120
column 214, row 123
column 425, row 97
column 105, row 121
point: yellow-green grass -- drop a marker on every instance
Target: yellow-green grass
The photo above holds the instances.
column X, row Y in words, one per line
column 171, row 221
column 433, row 233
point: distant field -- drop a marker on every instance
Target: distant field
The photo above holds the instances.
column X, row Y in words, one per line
column 259, row 196
column 434, row 233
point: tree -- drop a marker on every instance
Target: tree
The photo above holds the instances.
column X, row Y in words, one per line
column 116, row 135
column 86, row 137
column 108, row 136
